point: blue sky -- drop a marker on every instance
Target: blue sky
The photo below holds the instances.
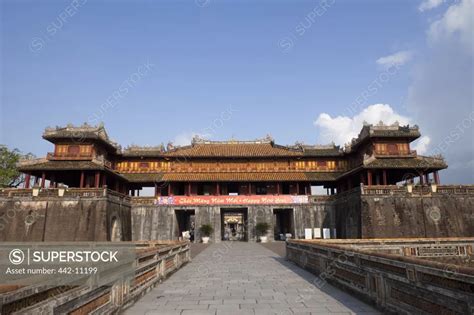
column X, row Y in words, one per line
column 191, row 62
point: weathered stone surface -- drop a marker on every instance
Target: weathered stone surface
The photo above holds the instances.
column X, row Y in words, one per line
column 119, row 287
column 401, row 214
column 245, row 278
column 154, row 222
column 402, row 276
column 53, row 218
column 380, row 212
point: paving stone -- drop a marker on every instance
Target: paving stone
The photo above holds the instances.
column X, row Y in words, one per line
column 210, row 302
column 256, row 306
column 244, row 278
column 240, row 301
column 236, row 312
column 225, row 307
column 198, row 312
column 163, row 312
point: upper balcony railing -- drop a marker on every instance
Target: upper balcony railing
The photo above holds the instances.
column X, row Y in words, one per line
column 69, row 156
column 410, row 153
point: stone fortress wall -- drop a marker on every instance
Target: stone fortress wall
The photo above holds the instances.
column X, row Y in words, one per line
column 366, row 212
column 78, row 215
column 159, row 222
column 393, row 212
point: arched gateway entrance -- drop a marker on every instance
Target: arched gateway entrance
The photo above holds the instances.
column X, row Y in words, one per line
column 234, row 224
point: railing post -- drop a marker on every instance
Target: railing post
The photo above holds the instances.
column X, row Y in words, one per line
column 27, row 180
column 43, row 179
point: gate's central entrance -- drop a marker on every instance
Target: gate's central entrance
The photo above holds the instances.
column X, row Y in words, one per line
column 234, row 224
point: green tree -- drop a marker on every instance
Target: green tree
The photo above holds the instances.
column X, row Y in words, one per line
column 9, row 175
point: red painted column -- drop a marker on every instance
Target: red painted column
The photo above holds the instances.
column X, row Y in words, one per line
column 170, row 191
column 27, row 180
column 81, row 184
column 189, row 189
column 43, row 179
column 422, row 179
column 250, row 189
column 427, row 178
column 369, row 177
column 218, row 189
column 436, row 177
column 297, row 188
column 384, row 174
column 97, row 179
column 278, row 188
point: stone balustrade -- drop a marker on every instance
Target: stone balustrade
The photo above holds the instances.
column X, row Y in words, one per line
column 417, row 189
column 154, row 261
column 408, row 276
column 67, row 193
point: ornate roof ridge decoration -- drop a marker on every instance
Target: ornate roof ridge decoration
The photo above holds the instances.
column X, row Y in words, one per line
column 26, row 162
column 268, row 139
column 436, row 157
column 382, row 130
column 199, row 143
column 419, row 162
column 80, row 132
column 329, row 146
column 140, row 148
column 71, row 127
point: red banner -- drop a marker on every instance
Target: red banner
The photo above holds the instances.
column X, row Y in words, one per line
column 231, row 200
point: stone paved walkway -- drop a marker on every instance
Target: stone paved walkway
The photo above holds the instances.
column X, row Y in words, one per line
column 244, row 278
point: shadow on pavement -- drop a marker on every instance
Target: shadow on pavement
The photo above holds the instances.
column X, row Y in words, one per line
column 318, row 284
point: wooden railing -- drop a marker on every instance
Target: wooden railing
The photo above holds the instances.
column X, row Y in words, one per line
column 69, row 156
column 154, row 261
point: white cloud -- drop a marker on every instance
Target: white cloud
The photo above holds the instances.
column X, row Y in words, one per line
column 421, row 145
column 342, row 129
column 457, row 20
column 429, row 4
column 396, row 59
column 185, row 138
column 441, row 95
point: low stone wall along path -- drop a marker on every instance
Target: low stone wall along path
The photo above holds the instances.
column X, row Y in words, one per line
column 245, row 278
